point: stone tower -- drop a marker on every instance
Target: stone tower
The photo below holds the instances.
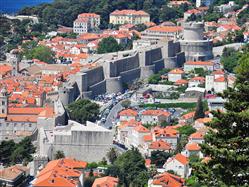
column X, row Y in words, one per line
column 194, row 45
column 3, row 102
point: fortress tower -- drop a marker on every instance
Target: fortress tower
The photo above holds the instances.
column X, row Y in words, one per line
column 195, row 46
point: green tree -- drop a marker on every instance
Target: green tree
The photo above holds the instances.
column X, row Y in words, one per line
column 83, row 110
column 227, row 144
column 154, row 79
column 43, row 53
column 159, row 158
column 112, row 155
column 126, row 103
column 130, row 169
column 23, row 151
column 230, row 58
column 108, row 45
column 199, row 111
column 186, row 130
column 6, row 149
column 59, row 154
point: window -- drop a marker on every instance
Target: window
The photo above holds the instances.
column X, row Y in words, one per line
column 3, row 102
column 30, row 125
column 3, row 111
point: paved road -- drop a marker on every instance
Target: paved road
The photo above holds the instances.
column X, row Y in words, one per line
column 112, row 116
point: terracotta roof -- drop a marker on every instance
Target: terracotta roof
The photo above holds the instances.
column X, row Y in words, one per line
column 156, row 113
column 201, row 63
column 176, row 71
column 141, row 129
column 181, row 81
column 60, row 173
column 193, row 11
column 188, row 115
column 197, row 135
column 166, row 132
column 105, row 182
column 192, row 147
column 220, row 79
column 168, row 180
column 128, row 112
column 218, row 72
column 160, row 145
column 147, row 138
column 181, row 158
column 88, row 15
column 131, row 123
column 130, row 12
column 204, row 120
column 198, row 79
column 5, row 68
column 165, row 29
column 13, row 172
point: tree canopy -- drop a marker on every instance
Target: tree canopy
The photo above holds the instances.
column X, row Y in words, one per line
column 130, row 169
column 227, row 144
column 199, row 112
column 83, row 110
column 16, row 153
column 108, row 45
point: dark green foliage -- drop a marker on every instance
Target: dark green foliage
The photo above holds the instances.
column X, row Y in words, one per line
column 108, row 45
column 159, row 158
column 243, row 16
column 227, row 144
column 126, row 103
column 130, row 169
column 171, row 105
column 112, row 155
column 83, row 110
column 200, row 72
column 230, row 58
column 154, row 79
column 199, row 112
column 186, row 130
column 13, row 153
column 39, row 52
column 59, row 155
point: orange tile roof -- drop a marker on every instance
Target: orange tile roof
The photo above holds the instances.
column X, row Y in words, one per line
column 147, row 162
column 181, row 158
column 166, row 29
column 218, row 72
column 220, row 79
column 147, row 138
column 5, row 68
column 199, row 79
column 28, row 110
column 193, row 11
column 176, row 71
column 128, row 112
column 13, row 172
column 156, row 113
column 193, row 147
column 60, row 173
column 168, row 180
column 105, row 182
column 160, row 145
column 204, row 120
column 129, row 12
column 181, row 81
column 22, row 118
column 201, row 63
column 188, row 115
column 141, row 129
column 166, row 132
column 197, row 135
column 131, row 123
column 88, row 15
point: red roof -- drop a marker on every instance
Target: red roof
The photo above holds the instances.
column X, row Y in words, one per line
column 196, row 135
column 129, row 12
column 128, row 112
column 176, row 71
column 166, row 29
column 192, row 147
column 141, row 129
column 60, row 173
column 160, row 145
column 105, row 182
column 156, row 113
column 201, row 63
column 181, row 158
column 168, row 180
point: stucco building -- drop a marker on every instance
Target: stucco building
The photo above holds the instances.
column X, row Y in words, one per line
column 119, row 17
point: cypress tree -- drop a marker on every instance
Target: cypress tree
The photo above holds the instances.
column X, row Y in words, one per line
column 227, row 144
column 199, row 112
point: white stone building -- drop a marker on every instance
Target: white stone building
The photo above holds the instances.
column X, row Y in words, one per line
column 191, row 65
column 85, row 22
column 155, row 116
column 179, row 164
column 175, row 75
